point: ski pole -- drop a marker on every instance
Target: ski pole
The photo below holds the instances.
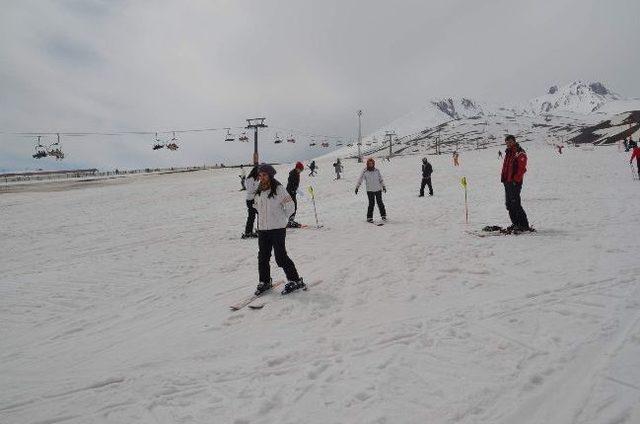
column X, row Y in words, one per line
column 313, row 200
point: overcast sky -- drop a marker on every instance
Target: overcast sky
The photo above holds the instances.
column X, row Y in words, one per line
column 94, row 65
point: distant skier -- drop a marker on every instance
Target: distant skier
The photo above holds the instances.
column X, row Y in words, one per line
column 337, row 167
column 499, row 154
column 513, row 170
column 312, row 168
column 455, row 158
column 559, row 147
column 636, row 155
column 243, row 177
column 274, row 207
column 375, row 186
column 292, row 188
column 251, row 184
column 427, row 170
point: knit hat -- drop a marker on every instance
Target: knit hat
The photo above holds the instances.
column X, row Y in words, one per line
column 299, row 166
column 267, row 169
column 372, row 161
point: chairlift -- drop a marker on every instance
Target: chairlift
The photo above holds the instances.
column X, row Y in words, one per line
column 158, row 144
column 243, row 137
column 325, row 144
column 291, row 139
column 173, row 145
column 277, row 140
column 55, row 150
column 229, row 136
column 41, row 151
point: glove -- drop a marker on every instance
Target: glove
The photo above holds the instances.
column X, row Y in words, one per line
column 356, row 190
column 384, row 189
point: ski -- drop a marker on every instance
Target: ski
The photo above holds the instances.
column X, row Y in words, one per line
column 246, row 301
column 495, row 230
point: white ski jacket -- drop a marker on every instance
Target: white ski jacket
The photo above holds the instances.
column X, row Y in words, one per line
column 273, row 212
column 251, row 185
column 373, row 180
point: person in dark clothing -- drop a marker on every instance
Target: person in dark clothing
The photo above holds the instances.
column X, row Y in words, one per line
column 292, row 188
column 427, row 170
column 312, row 168
column 499, row 154
column 243, row 177
column 513, row 170
column 274, row 206
column 251, row 184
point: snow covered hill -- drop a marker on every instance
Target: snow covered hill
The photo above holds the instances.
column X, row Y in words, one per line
column 450, row 124
column 114, row 301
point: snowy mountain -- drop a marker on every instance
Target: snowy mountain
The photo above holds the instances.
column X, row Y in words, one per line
column 444, row 125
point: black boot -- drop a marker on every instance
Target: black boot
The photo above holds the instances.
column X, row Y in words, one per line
column 263, row 287
column 293, row 286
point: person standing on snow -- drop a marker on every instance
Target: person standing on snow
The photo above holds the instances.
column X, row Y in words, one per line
column 375, row 186
column 499, row 154
column 636, row 155
column 337, row 166
column 292, row 188
column 312, row 168
column 455, row 158
column 427, row 170
column 274, row 207
column 513, row 170
column 251, row 185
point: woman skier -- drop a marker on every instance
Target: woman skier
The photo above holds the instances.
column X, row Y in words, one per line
column 375, row 187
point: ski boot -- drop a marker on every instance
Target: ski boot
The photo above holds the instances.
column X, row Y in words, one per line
column 263, row 287
column 293, row 286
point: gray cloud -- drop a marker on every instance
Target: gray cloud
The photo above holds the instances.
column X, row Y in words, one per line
column 136, row 65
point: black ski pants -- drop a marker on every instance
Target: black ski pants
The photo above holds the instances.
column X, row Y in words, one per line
column 512, row 200
column 251, row 217
column 426, row 181
column 274, row 239
column 295, row 204
column 377, row 196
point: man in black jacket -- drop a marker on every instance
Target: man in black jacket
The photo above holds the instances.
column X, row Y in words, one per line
column 427, row 170
column 292, row 188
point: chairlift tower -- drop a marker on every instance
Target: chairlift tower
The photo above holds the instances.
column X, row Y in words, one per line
column 390, row 134
column 255, row 123
column 359, row 136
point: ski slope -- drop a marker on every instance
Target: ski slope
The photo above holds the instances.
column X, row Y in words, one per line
column 114, row 300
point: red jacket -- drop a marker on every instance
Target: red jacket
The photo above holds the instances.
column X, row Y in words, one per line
column 635, row 153
column 514, row 165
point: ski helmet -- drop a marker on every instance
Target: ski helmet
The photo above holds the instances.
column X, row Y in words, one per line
column 299, row 166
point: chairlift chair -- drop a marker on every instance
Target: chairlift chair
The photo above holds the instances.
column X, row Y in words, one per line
column 243, row 137
column 173, row 145
column 41, row 151
column 325, row 144
column 291, row 139
column 277, row 140
column 158, row 144
column 55, row 150
column 229, row 136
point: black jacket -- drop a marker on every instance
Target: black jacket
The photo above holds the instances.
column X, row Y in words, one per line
column 427, row 170
column 293, row 182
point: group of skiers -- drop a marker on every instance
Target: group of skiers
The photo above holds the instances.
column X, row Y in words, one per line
column 276, row 206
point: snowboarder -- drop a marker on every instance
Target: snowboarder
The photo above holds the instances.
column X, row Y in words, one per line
column 292, row 188
column 375, row 187
column 455, row 159
column 427, row 170
column 251, row 184
column 243, row 177
column 513, row 170
column 337, row 166
column 274, row 207
column 312, row 168
column 636, row 155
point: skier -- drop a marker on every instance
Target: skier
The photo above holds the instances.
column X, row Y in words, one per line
column 559, row 147
column 274, row 207
column 375, row 187
column 312, row 167
column 499, row 154
column 337, row 166
column 251, row 184
column 636, row 154
column 513, row 170
column 427, row 170
column 455, row 158
column 292, row 188
column 243, row 177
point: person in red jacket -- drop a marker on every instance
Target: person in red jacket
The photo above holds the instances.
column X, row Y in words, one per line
column 513, row 169
column 636, row 155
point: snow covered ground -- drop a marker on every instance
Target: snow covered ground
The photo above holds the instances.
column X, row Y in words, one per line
column 114, row 301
